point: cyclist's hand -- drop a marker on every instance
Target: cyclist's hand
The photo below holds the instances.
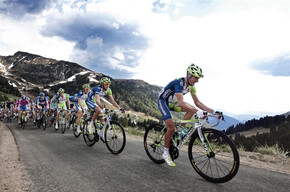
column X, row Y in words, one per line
column 122, row 110
column 104, row 110
column 200, row 114
column 85, row 108
column 219, row 114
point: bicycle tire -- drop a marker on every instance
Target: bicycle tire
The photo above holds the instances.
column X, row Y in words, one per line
column 89, row 141
column 217, row 167
column 76, row 134
column 44, row 122
column 113, row 138
column 152, row 145
column 62, row 125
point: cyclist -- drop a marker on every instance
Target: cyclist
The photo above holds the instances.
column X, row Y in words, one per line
column 9, row 107
column 94, row 94
column 23, row 105
column 81, row 105
column 62, row 101
column 171, row 98
column 2, row 107
column 41, row 102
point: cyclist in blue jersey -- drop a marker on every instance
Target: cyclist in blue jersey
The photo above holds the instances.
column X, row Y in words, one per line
column 80, row 104
column 171, row 98
column 95, row 94
column 42, row 102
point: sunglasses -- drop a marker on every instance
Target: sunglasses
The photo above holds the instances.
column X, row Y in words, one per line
column 106, row 83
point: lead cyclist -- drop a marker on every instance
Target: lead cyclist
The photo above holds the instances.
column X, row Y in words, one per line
column 171, row 99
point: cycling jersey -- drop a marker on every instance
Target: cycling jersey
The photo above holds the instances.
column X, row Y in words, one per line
column 97, row 91
column 53, row 102
column 83, row 96
column 23, row 104
column 9, row 104
column 42, row 102
column 62, row 100
column 167, row 100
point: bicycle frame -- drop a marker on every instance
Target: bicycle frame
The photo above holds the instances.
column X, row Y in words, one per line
column 196, row 125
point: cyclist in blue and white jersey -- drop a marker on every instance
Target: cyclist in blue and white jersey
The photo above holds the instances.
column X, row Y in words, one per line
column 95, row 94
column 171, row 98
column 42, row 102
column 81, row 104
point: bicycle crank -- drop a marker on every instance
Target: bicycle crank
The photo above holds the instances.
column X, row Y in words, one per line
column 173, row 151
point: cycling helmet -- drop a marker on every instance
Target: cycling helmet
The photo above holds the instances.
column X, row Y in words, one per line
column 86, row 86
column 105, row 80
column 195, row 71
column 23, row 97
column 61, row 90
column 41, row 94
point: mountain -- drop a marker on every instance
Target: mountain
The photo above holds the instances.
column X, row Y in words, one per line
column 286, row 114
column 30, row 74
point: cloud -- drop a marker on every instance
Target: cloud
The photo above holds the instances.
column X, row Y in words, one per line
column 18, row 8
column 277, row 66
column 102, row 42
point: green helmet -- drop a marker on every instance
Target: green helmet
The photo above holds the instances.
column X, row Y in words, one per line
column 105, row 80
column 86, row 86
column 61, row 90
column 195, row 70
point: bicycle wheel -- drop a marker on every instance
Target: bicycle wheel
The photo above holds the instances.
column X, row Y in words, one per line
column 76, row 134
column 222, row 162
column 88, row 138
column 44, row 122
column 115, row 137
column 62, row 124
column 154, row 141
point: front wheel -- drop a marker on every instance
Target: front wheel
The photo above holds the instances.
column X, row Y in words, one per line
column 88, row 138
column 153, row 142
column 115, row 137
column 221, row 162
column 62, row 125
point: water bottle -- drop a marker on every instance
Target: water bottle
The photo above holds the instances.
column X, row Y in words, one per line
column 183, row 133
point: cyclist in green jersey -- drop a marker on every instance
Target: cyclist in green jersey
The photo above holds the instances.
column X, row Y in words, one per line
column 62, row 101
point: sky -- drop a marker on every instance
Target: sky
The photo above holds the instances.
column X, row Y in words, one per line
column 242, row 46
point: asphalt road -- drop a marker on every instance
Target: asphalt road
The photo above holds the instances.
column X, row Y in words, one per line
column 61, row 162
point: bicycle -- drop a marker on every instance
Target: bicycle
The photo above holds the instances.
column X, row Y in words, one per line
column 212, row 154
column 41, row 118
column 23, row 119
column 111, row 133
column 62, row 122
column 84, row 116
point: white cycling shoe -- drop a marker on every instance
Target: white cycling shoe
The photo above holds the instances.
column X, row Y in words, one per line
column 168, row 159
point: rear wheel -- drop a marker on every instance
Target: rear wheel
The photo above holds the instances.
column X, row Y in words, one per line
column 115, row 137
column 153, row 142
column 221, row 163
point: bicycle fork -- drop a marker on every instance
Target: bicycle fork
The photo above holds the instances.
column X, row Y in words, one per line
column 204, row 142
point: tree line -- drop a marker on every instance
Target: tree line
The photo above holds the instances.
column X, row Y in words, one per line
column 279, row 126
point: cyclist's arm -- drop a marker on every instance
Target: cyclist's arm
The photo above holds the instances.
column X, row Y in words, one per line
column 114, row 102
column 200, row 104
column 80, row 103
column 97, row 98
column 183, row 105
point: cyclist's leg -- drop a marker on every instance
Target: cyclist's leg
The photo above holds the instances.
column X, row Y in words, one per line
column 79, row 116
column 163, row 107
column 176, row 108
column 97, row 110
